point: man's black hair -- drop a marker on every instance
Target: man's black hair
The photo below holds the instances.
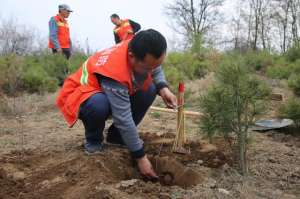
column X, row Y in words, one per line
column 148, row 42
column 114, row 16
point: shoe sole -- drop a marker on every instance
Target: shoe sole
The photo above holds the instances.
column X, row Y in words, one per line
column 93, row 153
column 115, row 145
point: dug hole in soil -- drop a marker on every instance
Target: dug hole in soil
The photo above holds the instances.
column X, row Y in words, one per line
column 72, row 174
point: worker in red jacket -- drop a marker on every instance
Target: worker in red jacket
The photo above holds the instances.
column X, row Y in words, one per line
column 59, row 33
column 122, row 82
column 124, row 29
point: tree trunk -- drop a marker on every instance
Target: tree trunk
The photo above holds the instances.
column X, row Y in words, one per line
column 285, row 24
column 242, row 152
column 263, row 37
column 294, row 11
column 193, row 17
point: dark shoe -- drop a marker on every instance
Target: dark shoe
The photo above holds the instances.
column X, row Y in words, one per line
column 115, row 139
column 93, row 149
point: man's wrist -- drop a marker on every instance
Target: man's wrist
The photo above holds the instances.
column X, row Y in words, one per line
column 160, row 86
column 138, row 154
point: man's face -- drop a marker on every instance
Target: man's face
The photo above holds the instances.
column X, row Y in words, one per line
column 65, row 13
column 146, row 65
column 115, row 21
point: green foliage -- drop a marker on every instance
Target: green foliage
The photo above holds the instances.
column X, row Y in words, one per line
column 294, row 83
column 237, row 95
column 197, row 45
column 258, row 60
column 190, row 100
column 36, row 79
column 279, row 72
column 283, row 69
column 291, row 110
column 36, row 73
column 215, row 105
column 55, row 65
column 295, row 66
column 173, row 75
column 11, row 70
column 233, row 102
column 180, row 66
column 293, row 53
column 76, row 61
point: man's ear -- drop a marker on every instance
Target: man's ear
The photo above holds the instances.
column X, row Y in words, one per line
column 130, row 54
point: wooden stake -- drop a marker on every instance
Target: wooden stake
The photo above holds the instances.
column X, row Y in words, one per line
column 167, row 110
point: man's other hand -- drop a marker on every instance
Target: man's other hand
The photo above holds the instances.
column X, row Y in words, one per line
column 168, row 97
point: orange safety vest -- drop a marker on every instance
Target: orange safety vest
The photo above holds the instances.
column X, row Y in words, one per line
column 78, row 87
column 123, row 29
column 63, row 33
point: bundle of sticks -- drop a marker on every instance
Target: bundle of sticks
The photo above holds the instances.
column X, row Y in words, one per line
column 180, row 138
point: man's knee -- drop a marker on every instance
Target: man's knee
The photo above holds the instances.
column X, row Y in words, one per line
column 150, row 94
column 152, row 90
column 96, row 107
column 143, row 99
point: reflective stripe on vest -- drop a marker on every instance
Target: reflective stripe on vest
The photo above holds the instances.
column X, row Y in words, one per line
column 79, row 86
column 85, row 75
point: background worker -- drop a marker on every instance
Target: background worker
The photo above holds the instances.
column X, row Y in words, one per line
column 124, row 29
column 121, row 81
column 59, row 33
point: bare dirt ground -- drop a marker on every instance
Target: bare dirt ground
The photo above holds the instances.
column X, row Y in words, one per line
column 41, row 158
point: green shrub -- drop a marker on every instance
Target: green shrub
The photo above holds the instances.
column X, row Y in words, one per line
column 181, row 66
column 293, row 53
column 11, row 71
column 36, row 73
column 36, row 79
column 258, row 60
column 279, row 72
column 295, row 66
column 55, row 65
column 233, row 103
column 283, row 70
column 294, row 83
column 76, row 61
column 173, row 75
column 291, row 110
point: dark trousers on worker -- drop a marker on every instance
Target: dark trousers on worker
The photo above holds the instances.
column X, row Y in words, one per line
column 96, row 110
column 66, row 52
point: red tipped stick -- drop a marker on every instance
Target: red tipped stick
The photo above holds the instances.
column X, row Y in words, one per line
column 181, row 87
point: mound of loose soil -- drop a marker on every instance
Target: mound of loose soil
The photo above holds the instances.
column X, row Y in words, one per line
column 72, row 174
column 208, row 153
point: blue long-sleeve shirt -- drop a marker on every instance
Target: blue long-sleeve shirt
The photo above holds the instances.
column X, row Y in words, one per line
column 53, row 30
column 118, row 96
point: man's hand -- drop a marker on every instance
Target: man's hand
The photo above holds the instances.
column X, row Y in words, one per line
column 145, row 168
column 168, row 97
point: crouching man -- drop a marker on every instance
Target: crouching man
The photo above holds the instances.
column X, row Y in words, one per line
column 121, row 81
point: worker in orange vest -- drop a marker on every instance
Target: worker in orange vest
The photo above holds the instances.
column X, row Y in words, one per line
column 124, row 29
column 121, row 82
column 59, row 33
